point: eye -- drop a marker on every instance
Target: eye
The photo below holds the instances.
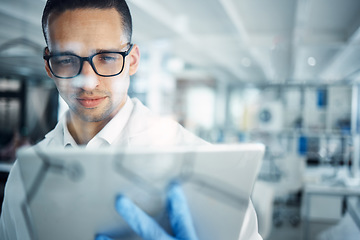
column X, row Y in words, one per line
column 108, row 57
column 63, row 60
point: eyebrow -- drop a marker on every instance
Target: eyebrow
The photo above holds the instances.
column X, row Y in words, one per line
column 107, row 50
column 61, row 53
column 95, row 52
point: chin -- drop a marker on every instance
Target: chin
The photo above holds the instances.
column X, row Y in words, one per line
column 92, row 115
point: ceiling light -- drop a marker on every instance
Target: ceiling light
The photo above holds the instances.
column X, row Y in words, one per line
column 311, row 61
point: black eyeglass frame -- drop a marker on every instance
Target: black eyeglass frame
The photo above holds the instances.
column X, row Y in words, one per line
column 88, row 59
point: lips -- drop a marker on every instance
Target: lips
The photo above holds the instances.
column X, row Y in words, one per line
column 91, row 102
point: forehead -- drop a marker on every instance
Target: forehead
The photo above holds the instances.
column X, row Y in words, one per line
column 86, row 28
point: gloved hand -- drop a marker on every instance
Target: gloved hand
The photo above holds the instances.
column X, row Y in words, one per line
column 147, row 228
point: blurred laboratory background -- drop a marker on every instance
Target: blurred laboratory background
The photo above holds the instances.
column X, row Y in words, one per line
column 281, row 72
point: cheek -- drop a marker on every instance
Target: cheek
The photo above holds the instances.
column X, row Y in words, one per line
column 65, row 88
column 120, row 86
column 62, row 86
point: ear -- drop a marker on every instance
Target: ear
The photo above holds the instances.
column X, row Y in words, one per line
column 47, row 68
column 134, row 59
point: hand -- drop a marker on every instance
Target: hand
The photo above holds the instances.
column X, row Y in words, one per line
column 147, row 228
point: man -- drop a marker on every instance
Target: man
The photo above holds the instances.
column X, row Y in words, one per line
column 90, row 57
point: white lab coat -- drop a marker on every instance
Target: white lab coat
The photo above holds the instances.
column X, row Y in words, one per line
column 134, row 125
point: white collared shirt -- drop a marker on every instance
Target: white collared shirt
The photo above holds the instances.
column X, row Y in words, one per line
column 133, row 125
column 107, row 136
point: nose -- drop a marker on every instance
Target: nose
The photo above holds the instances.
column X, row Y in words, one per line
column 90, row 78
column 87, row 69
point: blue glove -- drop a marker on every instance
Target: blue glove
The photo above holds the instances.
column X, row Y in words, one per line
column 147, row 228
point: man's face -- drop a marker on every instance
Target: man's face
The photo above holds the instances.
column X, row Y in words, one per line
column 84, row 32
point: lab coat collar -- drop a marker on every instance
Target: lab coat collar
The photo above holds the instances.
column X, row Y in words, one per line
column 60, row 134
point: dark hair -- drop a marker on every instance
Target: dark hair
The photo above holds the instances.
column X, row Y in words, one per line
column 60, row 6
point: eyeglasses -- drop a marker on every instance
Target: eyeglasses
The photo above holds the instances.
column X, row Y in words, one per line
column 104, row 64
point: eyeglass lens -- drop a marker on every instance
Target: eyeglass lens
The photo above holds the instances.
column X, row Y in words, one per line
column 68, row 66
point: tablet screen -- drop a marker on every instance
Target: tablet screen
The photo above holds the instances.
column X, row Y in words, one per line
column 70, row 193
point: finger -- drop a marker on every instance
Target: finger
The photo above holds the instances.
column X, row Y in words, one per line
column 139, row 221
column 102, row 237
column 179, row 213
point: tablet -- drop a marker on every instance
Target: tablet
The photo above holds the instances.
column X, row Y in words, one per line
column 70, row 193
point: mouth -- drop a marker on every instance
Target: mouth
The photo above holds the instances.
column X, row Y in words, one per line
column 90, row 102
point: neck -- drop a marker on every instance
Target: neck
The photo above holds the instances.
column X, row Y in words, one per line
column 83, row 131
